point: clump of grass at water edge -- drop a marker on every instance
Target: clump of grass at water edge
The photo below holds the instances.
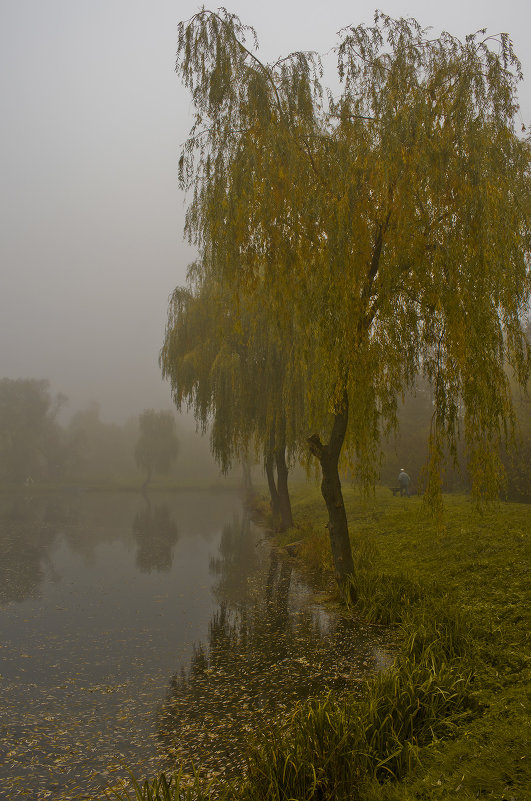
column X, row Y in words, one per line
column 448, row 720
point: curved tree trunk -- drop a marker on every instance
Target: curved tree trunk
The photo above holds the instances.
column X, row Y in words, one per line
column 328, row 456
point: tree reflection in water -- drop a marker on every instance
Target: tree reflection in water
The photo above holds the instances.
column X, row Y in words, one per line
column 268, row 648
column 28, row 529
column 156, row 535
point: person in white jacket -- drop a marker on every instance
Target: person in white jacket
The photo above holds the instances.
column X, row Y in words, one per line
column 403, row 482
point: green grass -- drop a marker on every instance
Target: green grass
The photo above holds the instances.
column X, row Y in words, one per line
column 470, row 575
column 450, row 720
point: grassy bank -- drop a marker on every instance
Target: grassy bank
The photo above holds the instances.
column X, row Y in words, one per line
column 471, row 575
column 449, row 721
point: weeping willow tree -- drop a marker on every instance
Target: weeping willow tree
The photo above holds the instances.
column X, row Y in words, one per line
column 387, row 224
column 227, row 365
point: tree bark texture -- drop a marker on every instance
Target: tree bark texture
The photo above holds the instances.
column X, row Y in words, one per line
column 328, row 456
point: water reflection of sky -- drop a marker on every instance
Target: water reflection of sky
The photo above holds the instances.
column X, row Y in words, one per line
column 135, row 630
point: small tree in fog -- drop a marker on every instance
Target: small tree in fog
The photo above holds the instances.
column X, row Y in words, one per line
column 157, row 445
column 31, row 441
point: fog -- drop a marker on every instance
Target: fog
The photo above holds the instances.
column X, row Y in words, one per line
column 93, row 117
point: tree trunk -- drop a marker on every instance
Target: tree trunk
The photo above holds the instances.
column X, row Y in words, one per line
column 283, row 492
column 328, row 456
column 273, row 491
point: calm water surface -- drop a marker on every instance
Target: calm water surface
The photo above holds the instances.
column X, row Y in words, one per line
column 139, row 631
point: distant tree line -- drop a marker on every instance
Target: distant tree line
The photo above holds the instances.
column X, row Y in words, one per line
column 36, row 447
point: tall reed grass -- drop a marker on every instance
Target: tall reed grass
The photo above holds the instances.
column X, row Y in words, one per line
column 332, row 745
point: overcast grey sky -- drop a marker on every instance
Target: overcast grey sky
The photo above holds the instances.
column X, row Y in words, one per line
column 91, row 216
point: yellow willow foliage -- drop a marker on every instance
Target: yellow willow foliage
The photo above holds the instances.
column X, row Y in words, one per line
column 380, row 232
column 225, row 363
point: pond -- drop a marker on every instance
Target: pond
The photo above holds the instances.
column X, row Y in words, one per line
column 136, row 631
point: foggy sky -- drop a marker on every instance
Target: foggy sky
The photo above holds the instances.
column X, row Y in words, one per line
column 91, row 216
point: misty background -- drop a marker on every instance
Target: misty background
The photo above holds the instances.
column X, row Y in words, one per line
column 93, row 118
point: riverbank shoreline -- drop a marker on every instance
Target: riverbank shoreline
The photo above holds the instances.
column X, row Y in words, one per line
column 448, row 720
column 472, row 566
